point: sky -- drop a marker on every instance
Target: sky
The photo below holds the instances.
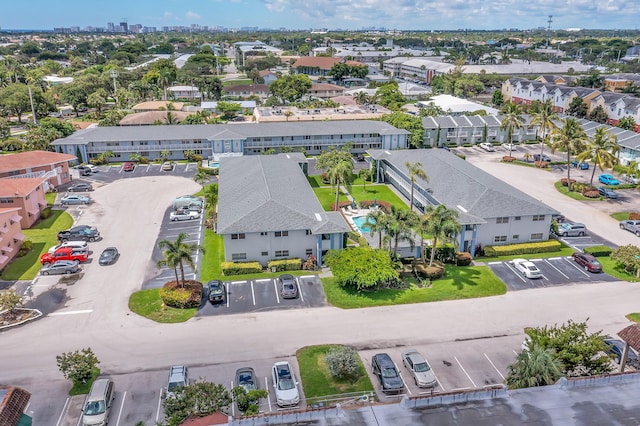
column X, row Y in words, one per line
column 331, row 14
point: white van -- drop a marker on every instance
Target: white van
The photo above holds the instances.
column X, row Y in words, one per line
column 98, row 403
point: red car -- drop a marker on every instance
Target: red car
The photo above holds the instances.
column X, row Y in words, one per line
column 587, row 261
column 65, row 253
column 128, row 167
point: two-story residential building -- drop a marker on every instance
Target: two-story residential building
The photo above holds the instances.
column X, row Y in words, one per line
column 27, row 194
column 243, row 91
column 319, row 65
column 184, row 92
column 52, row 166
column 522, row 91
column 490, row 210
column 473, row 129
column 268, row 211
column 11, row 236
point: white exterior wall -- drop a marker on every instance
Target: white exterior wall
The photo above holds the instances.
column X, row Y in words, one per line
column 523, row 228
column 254, row 244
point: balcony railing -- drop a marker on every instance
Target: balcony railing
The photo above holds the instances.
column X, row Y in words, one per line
column 147, row 148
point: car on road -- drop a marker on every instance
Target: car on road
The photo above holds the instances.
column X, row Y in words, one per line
column 284, row 382
column 247, row 379
column 616, row 348
column 288, row 287
column 65, row 253
column 79, row 233
column 543, row 157
column 167, row 166
column 217, row 291
column 422, row 374
column 567, row 229
column 487, row 147
column 178, row 377
column 608, row 179
column 109, row 256
column 89, row 167
column 509, row 146
column 85, row 172
column 581, row 166
column 70, row 199
column 128, row 167
column 635, row 179
column 74, row 244
column 183, row 215
column 60, row 267
column 607, row 192
column 385, row 369
column 98, row 403
column 80, row 187
column 527, row 268
column 631, row 226
column 587, row 261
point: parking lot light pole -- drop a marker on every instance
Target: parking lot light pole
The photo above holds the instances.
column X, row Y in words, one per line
column 114, row 75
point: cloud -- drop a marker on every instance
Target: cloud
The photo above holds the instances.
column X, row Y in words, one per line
column 192, row 15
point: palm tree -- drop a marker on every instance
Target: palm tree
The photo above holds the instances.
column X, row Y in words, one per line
column 546, row 117
column 200, row 177
column 340, row 174
column 362, row 98
column 442, row 224
column 415, row 171
column 164, row 155
column 104, row 157
column 365, row 174
column 177, row 253
column 402, row 224
column 570, row 138
column 376, row 221
column 512, row 120
column 422, row 228
column 135, row 157
column 536, row 366
column 602, row 149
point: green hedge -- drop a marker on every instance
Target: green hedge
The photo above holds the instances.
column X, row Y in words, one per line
column 445, row 254
column 46, row 212
column 239, row 268
column 294, row 264
column 430, row 272
column 182, row 298
column 463, row 258
column 525, row 248
column 598, row 251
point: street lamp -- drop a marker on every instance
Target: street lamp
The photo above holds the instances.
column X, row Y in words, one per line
column 114, row 75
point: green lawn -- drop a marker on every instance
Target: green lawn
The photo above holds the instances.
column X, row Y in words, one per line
column 620, row 216
column 377, row 192
column 84, row 388
column 238, row 81
column 611, row 267
column 43, row 235
column 635, row 317
column 327, row 197
column 315, row 377
column 147, row 303
column 573, row 194
column 459, row 283
column 564, row 251
column 50, row 197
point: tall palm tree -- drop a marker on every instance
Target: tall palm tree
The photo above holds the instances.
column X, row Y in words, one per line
column 570, row 138
column 537, row 366
column 404, row 222
column 511, row 120
column 164, row 155
column 200, row 177
column 442, row 224
column 415, row 171
column 546, row 118
column 376, row 222
column 422, row 228
column 340, row 174
column 602, row 149
column 177, row 253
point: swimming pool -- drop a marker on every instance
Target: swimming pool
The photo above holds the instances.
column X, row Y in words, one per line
column 362, row 224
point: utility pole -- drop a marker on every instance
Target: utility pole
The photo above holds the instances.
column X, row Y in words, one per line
column 114, row 75
column 549, row 30
column 33, row 109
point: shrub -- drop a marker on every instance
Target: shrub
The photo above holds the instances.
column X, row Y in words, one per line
column 25, row 248
column 433, row 272
column 445, row 254
column 463, row 258
column 341, row 204
column 590, row 193
column 143, row 160
column 508, row 159
column 634, row 216
column 46, row 212
column 598, row 251
column 294, row 264
column 524, row 248
column 189, row 296
column 541, row 164
column 563, row 181
column 383, row 205
column 464, row 157
column 240, row 268
column 342, row 362
column 325, row 178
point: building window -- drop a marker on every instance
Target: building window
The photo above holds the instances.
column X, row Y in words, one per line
column 308, row 232
column 263, row 234
column 517, row 218
column 6, row 201
column 309, row 252
column 265, row 253
column 27, row 197
column 500, row 239
column 237, row 236
column 282, row 233
column 239, row 256
column 538, row 217
column 502, row 220
column 282, row 253
column 536, row 236
column 515, row 237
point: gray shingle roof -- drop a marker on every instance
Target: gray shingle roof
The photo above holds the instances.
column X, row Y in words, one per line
column 259, row 193
column 455, row 182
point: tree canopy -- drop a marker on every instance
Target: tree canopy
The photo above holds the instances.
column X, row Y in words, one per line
column 362, row 268
column 410, row 123
column 290, row 88
column 198, row 400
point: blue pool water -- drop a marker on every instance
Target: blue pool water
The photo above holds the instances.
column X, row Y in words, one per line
column 361, row 223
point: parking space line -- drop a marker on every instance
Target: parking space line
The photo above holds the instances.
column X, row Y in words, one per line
column 275, row 287
column 266, row 386
column 124, row 397
column 573, row 264
column 159, row 404
column 148, row 167
column 494, row 263
column 434, row 375
column 253, row 294
column 64, row 408
column 307, row 276
column 515, row 353
column 465, row 372
column 561, row 273
column 493, row 365
column 519, row 275
column 227, row 288
column 300, row 291
column 233, row 408
column 402, row 378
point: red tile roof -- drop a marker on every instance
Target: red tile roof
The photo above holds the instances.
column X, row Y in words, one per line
column 21, row 187
column 631, row 335
column 24, row 160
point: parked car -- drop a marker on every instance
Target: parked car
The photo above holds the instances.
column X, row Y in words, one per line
column 79, row 233
column 60, row 267
column 167, row 166
column 587, row 261
column 631, row 178
column 631, row 226
column 81, row 187
column 73, row 244
column 616, row 348
column 246, row 378
column 285, row 384
column 509, row 146
column 190, row 208
column 128, row 167
column 288, row 287
column 109, row 256
column 543, row 157
column 85, row 172
column 75, row 199
column 217, row 291
column 527, row 268
column 65, row 253
column 572, row 229
column 178, row 377
column 607, row 179
column 183, row 215
column 89, row 167
column 487, row 147
column 607, row 192
column 98, row 403
column 385, row 369
column 422, row 374
column 581, row 166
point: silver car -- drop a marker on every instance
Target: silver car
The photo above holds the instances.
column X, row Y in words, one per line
column 422, row 374
column 75, row 199
column 631, row 226
column 61, row 267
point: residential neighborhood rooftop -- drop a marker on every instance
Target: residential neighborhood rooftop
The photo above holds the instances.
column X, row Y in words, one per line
column 18, row 187
column 29, row 159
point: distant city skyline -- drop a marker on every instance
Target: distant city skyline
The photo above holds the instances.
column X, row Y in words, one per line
column 330, row 14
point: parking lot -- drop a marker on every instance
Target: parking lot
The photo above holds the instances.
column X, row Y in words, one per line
column 110, row 173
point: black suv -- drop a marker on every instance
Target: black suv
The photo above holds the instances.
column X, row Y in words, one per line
column 383, row 366
column 79, row 233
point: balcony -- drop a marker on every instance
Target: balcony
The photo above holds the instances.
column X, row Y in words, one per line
column 148, row 148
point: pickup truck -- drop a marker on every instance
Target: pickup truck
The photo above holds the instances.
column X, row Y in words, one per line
column 65, row 253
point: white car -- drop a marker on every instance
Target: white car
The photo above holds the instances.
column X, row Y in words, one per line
column 285, row 384
column 422, row 374
column 73, row 244
column 183, row 215
column 487, row 147
column 527, row 268
column 509, row 146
